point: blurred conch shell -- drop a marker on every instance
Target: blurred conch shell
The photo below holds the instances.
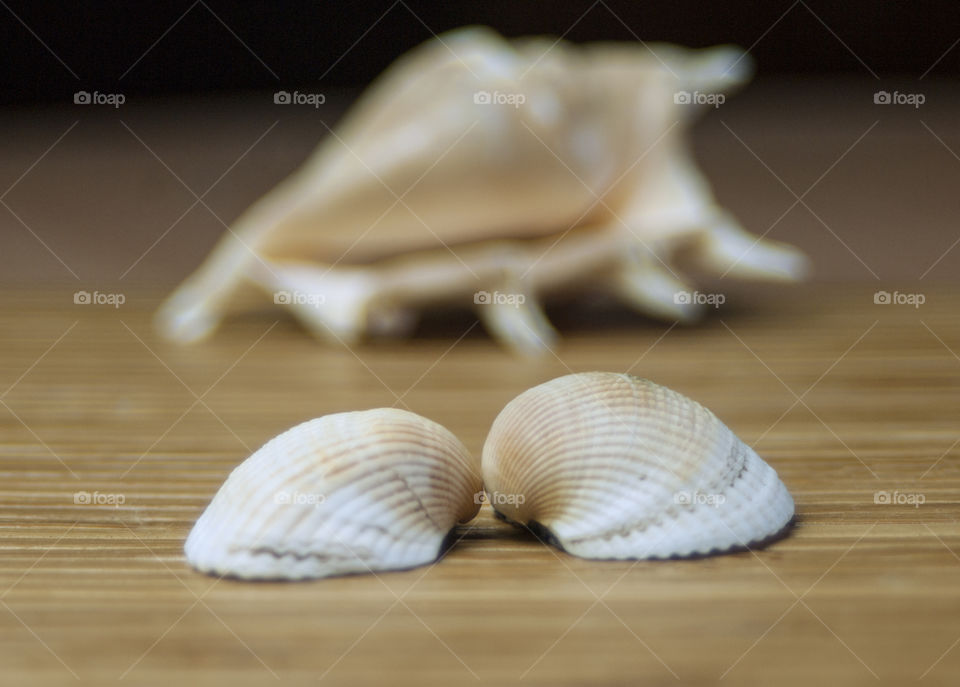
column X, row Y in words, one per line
column 492, row 173
column 346, row 493
column 611, row 466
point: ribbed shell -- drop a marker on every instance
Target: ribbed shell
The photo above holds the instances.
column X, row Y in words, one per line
column 346, row 493
column 617, row 467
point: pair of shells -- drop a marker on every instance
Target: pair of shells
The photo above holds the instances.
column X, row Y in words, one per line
column 604, row 465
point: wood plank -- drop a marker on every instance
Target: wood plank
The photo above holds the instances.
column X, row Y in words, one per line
column 844, row 397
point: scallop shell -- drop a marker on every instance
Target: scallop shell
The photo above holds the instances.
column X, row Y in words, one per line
column 346, row 493
column 492, row 173
column 617, row 467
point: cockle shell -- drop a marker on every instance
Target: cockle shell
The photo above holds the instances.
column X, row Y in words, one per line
column 492, row 173
column 617, row 467
column 346, row 493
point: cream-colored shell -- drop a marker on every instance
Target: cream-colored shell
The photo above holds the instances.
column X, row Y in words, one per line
column 617, row 467
column 476, row 171
column 346, row 493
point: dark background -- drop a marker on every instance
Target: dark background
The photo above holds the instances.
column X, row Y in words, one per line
column 106, row 46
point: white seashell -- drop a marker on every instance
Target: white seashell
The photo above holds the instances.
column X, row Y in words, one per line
column 617, row 467
column 492, row 173
column 346, row 493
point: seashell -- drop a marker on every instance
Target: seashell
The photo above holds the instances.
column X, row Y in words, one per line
column 345, row 493
column 612, row 466
column 492, row 173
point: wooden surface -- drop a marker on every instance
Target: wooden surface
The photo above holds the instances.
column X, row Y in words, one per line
column 843, row 397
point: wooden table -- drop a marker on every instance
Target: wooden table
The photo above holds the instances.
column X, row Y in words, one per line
column 844, row 397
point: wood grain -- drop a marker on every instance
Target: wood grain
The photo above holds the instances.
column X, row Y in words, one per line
column 843, row 397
